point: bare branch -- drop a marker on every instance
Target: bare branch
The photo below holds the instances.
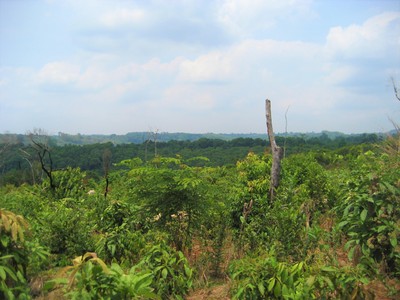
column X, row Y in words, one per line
column 25, row 155
column 284, row 145
column 396, row 92
column 40, row 143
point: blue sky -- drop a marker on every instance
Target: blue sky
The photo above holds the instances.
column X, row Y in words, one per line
column 198, row 66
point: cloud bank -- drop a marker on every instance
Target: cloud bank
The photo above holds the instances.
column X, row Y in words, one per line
column 116, row 67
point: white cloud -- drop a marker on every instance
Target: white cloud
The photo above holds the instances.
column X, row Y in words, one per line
column 216, row 67
column 338, row 74
column 59, row 73
column 188, row 98
column 245, row 17
column 361, row 58
column 123, row 17
column 374, row 38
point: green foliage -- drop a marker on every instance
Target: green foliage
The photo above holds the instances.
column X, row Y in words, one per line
column 332, row 282
column 221, row 150
column 303, row 195
column 173, row 276
column 304, row 178
column 23, row 200
column 161, row 274
column 91, row 278
column 18, row 256
column 370, row 212
column 13, row 260
column 156, row 210
column 167, row 188
column 121, row 244
column 66, row 227
column 252, row 185
column 265, row 277
column 69, row 183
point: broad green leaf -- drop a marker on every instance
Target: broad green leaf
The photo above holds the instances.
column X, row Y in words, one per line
column 188, row 271
column 365, row 250
column 363, row 215
column 328, row 269
column 348, row 244
column 278, row 290
column 285, row 290
column 142, row 280
column 393, row 241
column 351, row 253
column 271, row 284
column 4, row 240
column 364, row 280
column 342, row 224
column 10, row 272
column 261, row 288
column 117, row 268
column 381, row 228
column 329, row 282
column 310, row 280
column 239, row 293
column 164, row 273
column 20, row 277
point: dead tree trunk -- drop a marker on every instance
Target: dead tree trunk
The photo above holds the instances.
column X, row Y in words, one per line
column 277, row 153
column 40, row 143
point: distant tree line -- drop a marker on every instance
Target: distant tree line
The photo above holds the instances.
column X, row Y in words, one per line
column 19, row 162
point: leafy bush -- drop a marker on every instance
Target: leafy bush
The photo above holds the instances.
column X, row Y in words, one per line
column 17, row 255
column 165, row 187
column 267, row 278
column 120, row 244
column 90, row 278
column 68, row 183
column 173, row 276
column 371, row 212
column 66, row 228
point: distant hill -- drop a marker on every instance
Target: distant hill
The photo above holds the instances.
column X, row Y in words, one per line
column 140, row 137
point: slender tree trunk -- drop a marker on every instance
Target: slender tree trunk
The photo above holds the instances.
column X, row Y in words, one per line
column 277, row 153
column 42, row 150
column 106, row 167
column 396, row 91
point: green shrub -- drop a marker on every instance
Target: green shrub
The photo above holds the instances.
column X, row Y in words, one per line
column 371, row 212
column 265, row 277
column 65, row 227
column 19, row 257
column 173, row 276
column 90, row 278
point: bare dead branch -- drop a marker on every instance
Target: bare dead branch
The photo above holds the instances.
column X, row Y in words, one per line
column 277, row 152
column 396, row 92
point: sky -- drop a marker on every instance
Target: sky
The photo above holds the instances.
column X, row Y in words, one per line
column 198, row 66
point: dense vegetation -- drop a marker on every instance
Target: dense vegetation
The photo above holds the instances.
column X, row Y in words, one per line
column 19, row 162
column 131, row 223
